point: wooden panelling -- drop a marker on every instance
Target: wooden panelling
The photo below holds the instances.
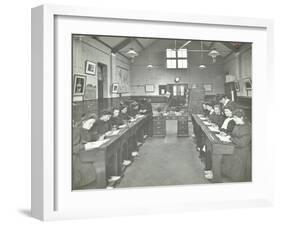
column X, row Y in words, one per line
column 154, row 99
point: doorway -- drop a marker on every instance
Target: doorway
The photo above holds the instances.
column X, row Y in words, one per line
column 102, row 84
column 178, row 94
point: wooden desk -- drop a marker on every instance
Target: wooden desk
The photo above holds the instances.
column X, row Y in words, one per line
column 159, row 125
column 108, row 158
column 214, row 145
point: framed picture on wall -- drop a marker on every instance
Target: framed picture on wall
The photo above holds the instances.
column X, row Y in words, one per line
column 79, row 85
column 248, row 83
column 149, row 88
column 115, row 87
column 208, row 87
column 90, row 68
column 162, row 89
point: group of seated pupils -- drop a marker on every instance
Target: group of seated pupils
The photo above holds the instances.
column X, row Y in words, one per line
column 91, row 129
column 230, row 122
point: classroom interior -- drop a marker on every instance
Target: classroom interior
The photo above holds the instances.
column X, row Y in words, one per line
column 170, row 138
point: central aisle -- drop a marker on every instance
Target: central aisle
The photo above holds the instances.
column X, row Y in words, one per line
column 165, row 161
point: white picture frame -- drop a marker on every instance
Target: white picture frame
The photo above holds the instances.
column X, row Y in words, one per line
column 52, row 197
column 115, row 87
column 90, row 68
column 149, row 88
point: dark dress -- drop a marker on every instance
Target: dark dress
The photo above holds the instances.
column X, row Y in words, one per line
column 117, row 121
column 238, row 165
column 132, row 112
column 91, row 134
column 124, row 116
column 83, row 173
column 230, row 127
column 217, row 119
column 103, row 126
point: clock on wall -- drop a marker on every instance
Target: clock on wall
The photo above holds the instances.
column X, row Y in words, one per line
column 177, row 79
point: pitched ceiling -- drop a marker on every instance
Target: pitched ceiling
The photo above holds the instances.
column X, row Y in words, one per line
column 123, row 44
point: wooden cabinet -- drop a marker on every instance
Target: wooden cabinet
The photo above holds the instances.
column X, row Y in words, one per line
column 159, row 126
column 182, row 126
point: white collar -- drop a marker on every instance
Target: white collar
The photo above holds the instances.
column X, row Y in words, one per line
column 227, row 100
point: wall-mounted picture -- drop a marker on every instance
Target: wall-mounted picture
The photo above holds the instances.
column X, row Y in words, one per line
column 149, row 88
column 79, row 85
column 91, row 68
column 208, row 87
column 115, row 87
column 248, row 83
column 162, row 89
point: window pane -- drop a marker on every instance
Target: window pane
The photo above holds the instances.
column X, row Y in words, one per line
column 174, row 90
column 182, row 53
column 182, row 90
column 170, row 53
column 171, row 63
column 182, row 63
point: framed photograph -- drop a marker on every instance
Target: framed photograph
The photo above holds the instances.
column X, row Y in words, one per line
column 69, row 176
column 149, row 88
column 79, row 85
column 162, row 89
column 248, row 83
column 208, row 87
column 90, row 68
column 115, row 87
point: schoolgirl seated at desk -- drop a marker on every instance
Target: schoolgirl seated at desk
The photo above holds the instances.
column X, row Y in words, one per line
column 216, row 116
column 116, row 119
column 238, row 165
column 124, row 113
column 228, row 123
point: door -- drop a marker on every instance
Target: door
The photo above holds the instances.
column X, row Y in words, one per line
column 178, row 94
column 100, row 86
column 230, row 91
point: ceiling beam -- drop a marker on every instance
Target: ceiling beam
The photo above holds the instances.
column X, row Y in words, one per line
column 102, row 42
column 230, row 46
column 211, row 45
column 110, row 47
column 121, row 45
column 123, row 55
column 139, row 43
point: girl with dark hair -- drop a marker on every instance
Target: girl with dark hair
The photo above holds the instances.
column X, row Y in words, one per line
column 238, row 165
column 228, row 124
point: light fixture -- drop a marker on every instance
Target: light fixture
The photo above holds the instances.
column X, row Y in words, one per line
column 132, row 53
column 149, row 66
column 214, row 53
column 202, row 66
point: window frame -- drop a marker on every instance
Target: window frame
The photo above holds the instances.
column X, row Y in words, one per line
column 176, row 58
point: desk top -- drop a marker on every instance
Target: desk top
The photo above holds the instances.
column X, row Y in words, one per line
column 210, row 134
column 122, row 131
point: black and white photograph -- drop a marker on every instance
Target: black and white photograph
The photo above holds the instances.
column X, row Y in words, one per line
column 182, row 114
column 90, row 68
column 79, row 85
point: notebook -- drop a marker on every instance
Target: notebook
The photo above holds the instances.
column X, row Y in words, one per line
column 95, row 144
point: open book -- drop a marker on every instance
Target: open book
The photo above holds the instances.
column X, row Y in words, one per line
column 95, row 144
column 112, row 133
column 224, row 138
column 214, row 129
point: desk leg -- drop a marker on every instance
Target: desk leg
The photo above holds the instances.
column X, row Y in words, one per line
column 216, row 168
